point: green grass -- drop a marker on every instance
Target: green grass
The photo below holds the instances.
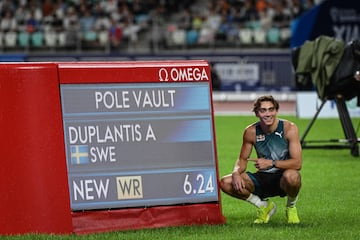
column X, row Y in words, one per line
column 328, row 202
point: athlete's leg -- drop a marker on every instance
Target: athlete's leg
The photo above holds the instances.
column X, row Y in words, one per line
column 290, row 182
column 266, row 208
column 226, row 186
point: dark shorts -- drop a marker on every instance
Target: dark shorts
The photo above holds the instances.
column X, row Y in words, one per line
column 267, row 184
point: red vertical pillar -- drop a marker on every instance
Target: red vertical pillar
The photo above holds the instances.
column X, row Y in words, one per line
column 33, row 176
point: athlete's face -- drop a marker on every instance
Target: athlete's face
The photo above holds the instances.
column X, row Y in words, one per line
column 267, row 113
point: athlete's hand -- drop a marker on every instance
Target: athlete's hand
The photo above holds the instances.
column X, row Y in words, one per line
column 238, row 182
column 262, row 164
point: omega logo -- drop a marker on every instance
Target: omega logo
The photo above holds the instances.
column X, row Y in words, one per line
column 183, row 74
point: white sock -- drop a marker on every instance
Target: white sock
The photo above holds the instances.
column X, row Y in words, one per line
column 291, row 201
column 255, row 200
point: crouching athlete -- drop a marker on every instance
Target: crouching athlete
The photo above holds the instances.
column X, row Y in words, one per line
column 278, row 163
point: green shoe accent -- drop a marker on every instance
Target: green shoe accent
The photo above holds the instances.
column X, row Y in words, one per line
column 292, row 215
column 264, row 213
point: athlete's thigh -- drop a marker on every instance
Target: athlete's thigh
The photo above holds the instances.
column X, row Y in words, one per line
column 249, row 184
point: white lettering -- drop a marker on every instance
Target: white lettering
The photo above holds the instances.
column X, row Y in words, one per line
column 346, row 32
column 110, row 100
column 107, row 134
column 84, row 189
column 154, row 98
column 344, row 15
column 88, row 189
column 184, row 74
column 150, row 134
column 103, row 154
column 73, row 137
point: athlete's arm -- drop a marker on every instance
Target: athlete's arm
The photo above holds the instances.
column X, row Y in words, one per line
column 295, row 151
column 241, row 163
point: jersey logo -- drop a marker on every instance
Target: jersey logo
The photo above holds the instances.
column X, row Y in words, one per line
column 279, row 134
column 260, row 137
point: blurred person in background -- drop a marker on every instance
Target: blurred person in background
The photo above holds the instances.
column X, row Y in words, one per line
column 115, row 34
column 8, row 22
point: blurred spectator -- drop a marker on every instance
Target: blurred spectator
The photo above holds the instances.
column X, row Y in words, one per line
column 158, row 28
column 8, row 22
column 70, row 18
column 71, row 27
column 310, row 3
column 197, row 21
column 102, row 22
column 212, row 21
column 261, row 5
column 47, row 23
column 222, row 5
column 32, row 23
column 184, row 19
column 297, row 8
column 249, row 12
column 236, row 13
column 86, row 20
column 89, row 36
column 131, row 31
column 121, row 13
column 110, row 7
column 34, row 11
column 57, row 23
column 60, row 8
column 265, row 19
column 47, row 8
column 140, row 7
column 149, row 21
column 282, row 15
column 115, row 34
column 228, row 29
column 7, row 5
column 20, row 16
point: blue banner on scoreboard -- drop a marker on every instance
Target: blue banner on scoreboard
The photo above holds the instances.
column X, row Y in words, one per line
column 136, row 145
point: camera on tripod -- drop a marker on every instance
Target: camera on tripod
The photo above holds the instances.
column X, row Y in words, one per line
column 332, row 68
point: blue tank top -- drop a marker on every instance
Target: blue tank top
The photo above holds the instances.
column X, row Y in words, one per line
column 272, row 146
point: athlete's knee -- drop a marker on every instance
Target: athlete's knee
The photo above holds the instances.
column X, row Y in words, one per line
column 225, row 183
column 292, row 177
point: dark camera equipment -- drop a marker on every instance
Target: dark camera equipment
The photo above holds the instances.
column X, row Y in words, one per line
column 332, row 68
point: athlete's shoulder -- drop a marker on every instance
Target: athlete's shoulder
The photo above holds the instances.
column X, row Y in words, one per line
column 288, row 124
column 290, row 128
column 251, row 126
column 250, row 132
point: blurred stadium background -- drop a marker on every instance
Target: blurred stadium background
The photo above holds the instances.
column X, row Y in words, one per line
column 247, row 42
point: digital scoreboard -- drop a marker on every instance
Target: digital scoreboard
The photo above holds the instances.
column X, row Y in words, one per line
column 138, row 134
column 112, row 145
column 141, row 144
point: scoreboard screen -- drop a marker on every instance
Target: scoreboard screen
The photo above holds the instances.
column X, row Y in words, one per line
column 139, row 144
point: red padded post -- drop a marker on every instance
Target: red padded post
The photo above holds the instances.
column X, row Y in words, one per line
column 33, row 175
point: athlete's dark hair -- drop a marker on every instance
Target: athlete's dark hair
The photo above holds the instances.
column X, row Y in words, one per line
column 266, row 98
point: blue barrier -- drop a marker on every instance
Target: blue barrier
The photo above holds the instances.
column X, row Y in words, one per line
column 255, row 70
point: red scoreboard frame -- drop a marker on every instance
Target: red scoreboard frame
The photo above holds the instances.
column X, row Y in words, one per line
column 35, row 170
